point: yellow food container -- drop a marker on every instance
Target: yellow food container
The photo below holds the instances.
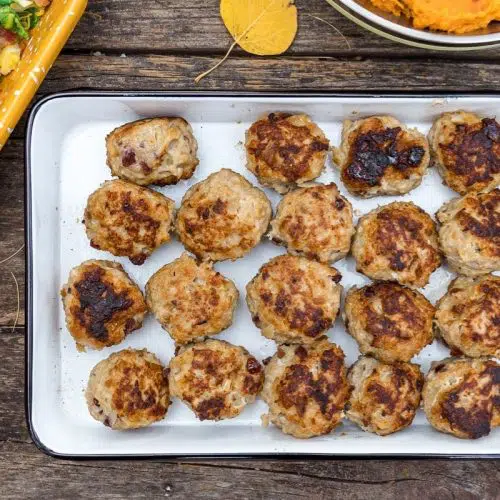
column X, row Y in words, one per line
column 46, row 41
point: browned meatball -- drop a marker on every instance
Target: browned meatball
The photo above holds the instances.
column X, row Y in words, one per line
column 314, row 221
column 152, row 151
column 215, row 378
column 385, row 397
column 468, row 316
column 223, row 217
column 306, row 389
column 102, row 304
column 190, row 299
column 389, row 321
column 466, row 151
column 128, row 220
column 397, row 242
column 293, row 299
column 470, row 233
column 462, row 396
column 379, row 155
column 128, row 390
column 285, row 150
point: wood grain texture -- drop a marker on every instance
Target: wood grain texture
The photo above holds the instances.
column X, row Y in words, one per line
column 327, row 74
column 11, row 230
column 191, row 26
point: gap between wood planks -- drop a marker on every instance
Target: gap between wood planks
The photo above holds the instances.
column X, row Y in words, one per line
column 483, row 57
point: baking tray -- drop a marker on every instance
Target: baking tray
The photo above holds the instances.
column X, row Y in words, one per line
column 65, row 162
column 46, row 41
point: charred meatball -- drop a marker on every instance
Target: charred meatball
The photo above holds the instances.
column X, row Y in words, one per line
column 293, row 299
column 461, row 396
column 385, row 397
column 397, row 242
column 190, row 299
column 128, row 220
column 154, row 151
column 223, row 217
column 470, row 233
column 306, row 389
column 379, row 155
column 468, row 316
column 314, row 221
column 285, row 150
column 128, row 390
column 389, row 321
column 102, row 304
column 215, row 379
column 466, row 151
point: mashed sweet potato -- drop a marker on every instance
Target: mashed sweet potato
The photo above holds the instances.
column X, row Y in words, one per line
column 453, row 16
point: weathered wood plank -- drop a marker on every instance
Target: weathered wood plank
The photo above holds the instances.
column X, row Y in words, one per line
column 27, row 473
column 191, row 26
column 11, row 230
column 12, row 421
column 160, row 72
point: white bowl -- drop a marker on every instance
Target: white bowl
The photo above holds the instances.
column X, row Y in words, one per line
column 400, row 29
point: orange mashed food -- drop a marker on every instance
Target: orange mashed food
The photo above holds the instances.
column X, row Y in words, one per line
column 453, row 16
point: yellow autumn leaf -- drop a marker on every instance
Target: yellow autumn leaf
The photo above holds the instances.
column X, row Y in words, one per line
column 261, row 27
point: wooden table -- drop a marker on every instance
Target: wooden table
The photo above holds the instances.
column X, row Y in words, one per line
column 163, row 45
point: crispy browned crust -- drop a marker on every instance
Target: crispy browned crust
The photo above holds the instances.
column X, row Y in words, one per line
column 468, row 316
column 462, row 396
column 102, row 304
column 389, row 321
column 215, row 379
column 190, row 299
column 293, row 299
column 152, row 151
column 128, row 390
column 223, row 217
column 466, row 150
column 284, row 150
column 314, row 221
column 382, row 156
column 128, row 220
column 480, row 216
column 397, row 242
column 385, row 397
column 306, row 388
column 470, row 233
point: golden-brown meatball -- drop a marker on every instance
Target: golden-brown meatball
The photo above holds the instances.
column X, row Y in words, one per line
column 397, row 242
column 128, row 390
column 466, row 151
column 306, row 389
column 223, row 217
column 153, row 151
column 468, row 316
column 461, row 396
column 293, row 299
column 314, row 221
column 128, row 220
column 389, row 321
column 285, row 150
column 190, row 299
column 469, row 235
column 215, row 379
column 102, row 304
column 385, row 397
column 379, row 155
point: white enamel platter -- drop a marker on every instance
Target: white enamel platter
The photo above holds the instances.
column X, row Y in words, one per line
column 66, row 162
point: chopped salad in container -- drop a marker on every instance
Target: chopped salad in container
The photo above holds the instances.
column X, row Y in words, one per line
column 17, row 19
